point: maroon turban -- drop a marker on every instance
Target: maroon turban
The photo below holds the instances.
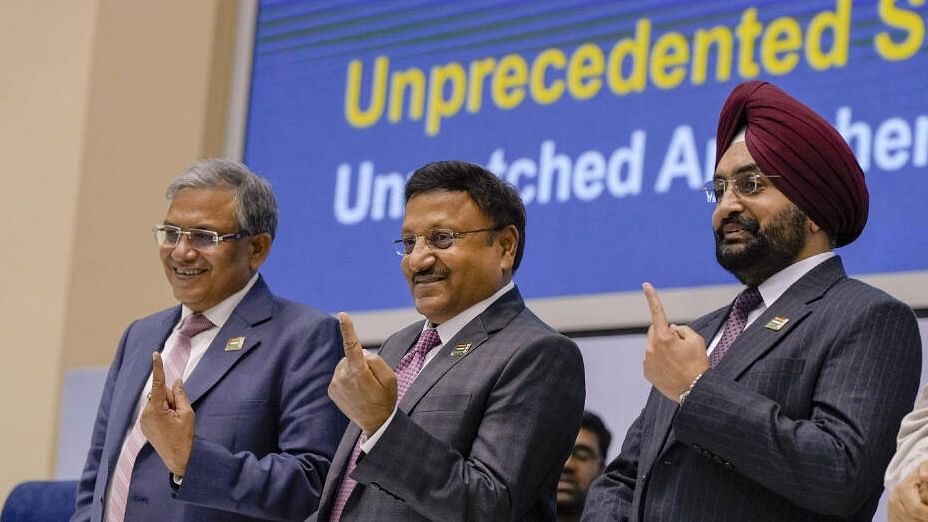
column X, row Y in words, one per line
column 818, row 171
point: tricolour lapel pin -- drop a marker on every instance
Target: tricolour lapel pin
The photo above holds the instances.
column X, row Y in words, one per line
column 460, row 349
column 235, row 344
column 776, row 324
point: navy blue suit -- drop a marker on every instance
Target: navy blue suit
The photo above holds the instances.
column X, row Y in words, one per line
column 265, row 427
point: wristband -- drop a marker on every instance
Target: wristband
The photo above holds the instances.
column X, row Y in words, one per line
column 686, row 392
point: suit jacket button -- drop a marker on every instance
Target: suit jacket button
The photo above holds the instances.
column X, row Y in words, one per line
column 375, row 486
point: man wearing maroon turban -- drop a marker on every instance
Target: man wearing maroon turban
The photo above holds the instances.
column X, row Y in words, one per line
column 784, row 404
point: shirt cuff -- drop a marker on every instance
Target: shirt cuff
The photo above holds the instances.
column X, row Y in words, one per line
column 368, row 445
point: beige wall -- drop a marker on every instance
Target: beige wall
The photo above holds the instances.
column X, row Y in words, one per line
column 102, row 102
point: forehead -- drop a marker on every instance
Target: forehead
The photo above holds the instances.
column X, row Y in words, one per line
column 736, row 160
column 203, row 208
column 442, row 209
column 588, row 438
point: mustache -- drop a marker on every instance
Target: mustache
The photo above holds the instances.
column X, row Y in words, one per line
column 431, row 272
column 748, row 224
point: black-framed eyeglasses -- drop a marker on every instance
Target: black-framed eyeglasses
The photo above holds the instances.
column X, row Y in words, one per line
column 169, row 236
column 741, row 185
column 439, row 239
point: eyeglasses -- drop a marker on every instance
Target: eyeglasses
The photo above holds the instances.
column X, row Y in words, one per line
column 439, row 238
column 740, row 185
column 169, row 236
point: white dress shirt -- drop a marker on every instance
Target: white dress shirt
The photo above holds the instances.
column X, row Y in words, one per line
column 775, row 286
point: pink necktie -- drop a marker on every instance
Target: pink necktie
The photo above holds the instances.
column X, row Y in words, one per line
column 135, row 440
column 406, row 371
column 746, row 301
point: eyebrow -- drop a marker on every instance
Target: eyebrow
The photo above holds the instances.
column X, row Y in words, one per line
column 196, row 227
column 746, row 168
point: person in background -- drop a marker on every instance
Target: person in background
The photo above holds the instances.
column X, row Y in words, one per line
column 216, row 409
column 907, row 474
column 586, row 462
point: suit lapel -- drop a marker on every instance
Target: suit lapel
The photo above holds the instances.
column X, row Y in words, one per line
column 474, row 333
column 256, row 307
column 137, row 361
column 795, row 304
column 396, row 347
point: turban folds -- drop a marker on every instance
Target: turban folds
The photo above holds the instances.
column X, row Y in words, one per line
column 818, row 171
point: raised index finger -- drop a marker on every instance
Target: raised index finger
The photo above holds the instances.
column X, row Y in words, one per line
column 157, row 378
column 658, row 317
column 353, row 351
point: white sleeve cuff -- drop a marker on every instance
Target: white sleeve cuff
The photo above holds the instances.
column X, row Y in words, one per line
column 368, row 445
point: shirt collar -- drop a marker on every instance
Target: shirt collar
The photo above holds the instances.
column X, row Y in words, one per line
column 219, row 314
column 777, row 284
column 451, row 327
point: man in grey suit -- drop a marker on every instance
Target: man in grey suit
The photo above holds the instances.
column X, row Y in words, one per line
column 784, row 405
column 470, row 414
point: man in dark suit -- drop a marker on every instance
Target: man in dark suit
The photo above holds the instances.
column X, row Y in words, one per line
column 234, row 422
column 784, row 405
column 483, row 431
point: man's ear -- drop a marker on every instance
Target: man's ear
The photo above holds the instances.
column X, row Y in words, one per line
column 260, row 245
column 508, row 239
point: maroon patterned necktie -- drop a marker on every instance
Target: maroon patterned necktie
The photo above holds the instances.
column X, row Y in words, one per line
column 746, row 301
column 406, row 371
column 174, row 367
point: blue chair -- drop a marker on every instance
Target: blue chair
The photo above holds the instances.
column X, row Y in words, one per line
column 40, row 501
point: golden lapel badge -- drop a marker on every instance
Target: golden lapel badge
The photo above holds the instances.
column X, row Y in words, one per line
column 776, row 324
column 235, row 344
column 460, row 349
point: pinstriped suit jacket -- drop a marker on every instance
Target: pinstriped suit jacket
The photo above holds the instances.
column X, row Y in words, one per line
column 795, row 424
column 478, row 437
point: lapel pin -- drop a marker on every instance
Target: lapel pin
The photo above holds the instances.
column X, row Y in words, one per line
column 776, row 324
column 235, row 344
column 460, row 349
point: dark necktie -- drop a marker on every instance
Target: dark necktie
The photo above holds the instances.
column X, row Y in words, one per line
column 406, row 371
column 746, row 301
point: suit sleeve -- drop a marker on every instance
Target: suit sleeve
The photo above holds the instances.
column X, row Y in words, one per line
column 831, row 458
column 86, row 485
column 529, row 425
column 911, row 444
column 611, row 495
column 286, row 484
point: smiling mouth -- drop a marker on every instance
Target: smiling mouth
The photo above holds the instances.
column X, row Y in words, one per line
column 427, row 278
column 189, row 272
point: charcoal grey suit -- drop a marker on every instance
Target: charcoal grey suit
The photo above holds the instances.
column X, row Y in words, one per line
column 479, row 436
column 793, row 424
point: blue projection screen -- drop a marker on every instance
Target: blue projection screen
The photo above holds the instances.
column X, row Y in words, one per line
column 602, row 114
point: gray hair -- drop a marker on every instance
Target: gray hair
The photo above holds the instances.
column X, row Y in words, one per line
column 255, row 206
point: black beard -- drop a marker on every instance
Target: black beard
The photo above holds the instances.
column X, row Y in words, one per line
column 769, row 250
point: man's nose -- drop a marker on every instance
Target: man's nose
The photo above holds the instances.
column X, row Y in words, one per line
column 183, row 249
column 421, row 256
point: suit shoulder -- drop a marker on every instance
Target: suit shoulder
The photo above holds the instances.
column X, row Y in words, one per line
column 856, row 295
column 535, row 333
column 292, row 309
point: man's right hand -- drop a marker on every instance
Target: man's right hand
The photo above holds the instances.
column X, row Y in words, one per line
column 363, row 386
column 908, row 501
